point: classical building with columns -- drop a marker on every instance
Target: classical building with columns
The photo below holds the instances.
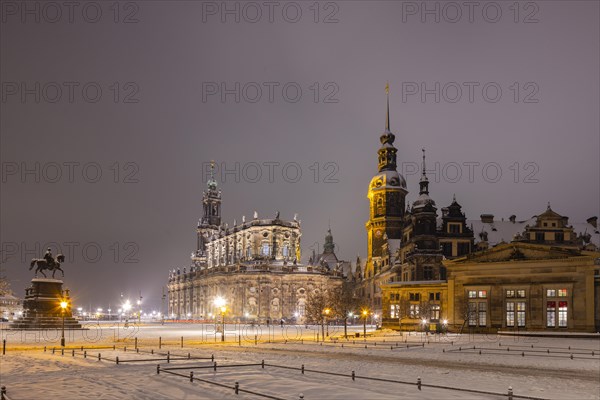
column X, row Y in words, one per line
column 254, row 266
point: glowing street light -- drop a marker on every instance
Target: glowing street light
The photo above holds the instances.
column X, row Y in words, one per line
column 365, row 314
column 326, row 312
column 63, row 307
column 220, row 303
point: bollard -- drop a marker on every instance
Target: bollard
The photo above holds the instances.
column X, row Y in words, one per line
column 168, row 357
column 81, row 348
column 302, row 369
column 182, row 342
column 159, row 342
column 510, row 393
column 62, row 351
column 237, row 388
column 117, row 360
column 191, row 376
column 571, row 356
column 137, row 350
column 135, row 343
column 353, row 376
column 157, row 369
column 53, row 350
column 85, row 354
column 99, row 357
column 151, row 351
column 419, row 382
column 522, row 354
column 73, row 353
column 215, row 366
column 189, row 356
column 262, row 363
column 125, row 348
column 212, row 357
column 114, row 347
column 45, row 349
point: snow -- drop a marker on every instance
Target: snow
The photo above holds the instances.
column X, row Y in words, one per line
column 29, row 372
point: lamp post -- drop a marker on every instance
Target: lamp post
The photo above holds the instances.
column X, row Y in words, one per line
column 63, row 307
column 139, row 303
column 327, row 311
column 365, row 314
column 220, row 303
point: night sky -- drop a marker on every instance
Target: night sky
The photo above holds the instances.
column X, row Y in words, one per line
column 124, row 106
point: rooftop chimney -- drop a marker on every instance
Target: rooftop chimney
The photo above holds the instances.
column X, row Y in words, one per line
column 487, row 218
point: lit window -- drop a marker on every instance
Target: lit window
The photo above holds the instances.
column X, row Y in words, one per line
column 435, row 312
column 510, row 314
column 521, row 293
column 562, row 313
column 482, row 294
column 550, row 292
column 551, row 314
column 521, row 314
column 414, row 311
column 395, row 311
column 472, row 294
column 562, row 292
column 266, row 249
column 482, row 314
column 510, row 293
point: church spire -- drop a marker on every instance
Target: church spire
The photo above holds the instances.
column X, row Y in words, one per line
column 387, row 151
column 387, row 117
column 424, row 182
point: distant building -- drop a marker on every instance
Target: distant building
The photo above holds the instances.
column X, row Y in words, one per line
column 255, row 266
column 10, row 306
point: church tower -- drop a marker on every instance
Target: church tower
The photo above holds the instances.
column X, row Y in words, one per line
column 387, row 193
column 211, row 210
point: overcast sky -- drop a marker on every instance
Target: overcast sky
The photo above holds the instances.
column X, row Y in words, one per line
column 505, row 100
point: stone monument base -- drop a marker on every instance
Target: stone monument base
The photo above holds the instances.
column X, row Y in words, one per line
column 41, row 307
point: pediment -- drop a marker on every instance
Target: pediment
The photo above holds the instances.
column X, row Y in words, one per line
column 518, row 252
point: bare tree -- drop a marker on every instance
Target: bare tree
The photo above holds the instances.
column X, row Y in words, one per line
column 343, row 302
column 316, row 302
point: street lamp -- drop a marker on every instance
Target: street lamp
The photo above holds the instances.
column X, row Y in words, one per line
column 365, row 314
column 63, row 307
column 220, row 303
column 139, row 303
column 326, row 311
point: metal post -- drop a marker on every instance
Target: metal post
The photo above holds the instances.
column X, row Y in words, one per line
column 237, row 388
column 191, row 376
column 159, row 342
column 182, row 342
column 62, row 337
column 302, row 369
column 353, row 376
column 223, row 326
column 136, row 343
column 510, row 393
column 263, row 364
column 157, row 369
column 419, row 382
column 3, row 347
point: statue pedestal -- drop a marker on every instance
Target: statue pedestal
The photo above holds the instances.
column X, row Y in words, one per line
column 41, row 307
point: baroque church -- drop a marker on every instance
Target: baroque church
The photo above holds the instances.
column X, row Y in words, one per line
column 254, row 266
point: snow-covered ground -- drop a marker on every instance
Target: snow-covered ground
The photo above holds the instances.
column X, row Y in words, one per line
column 533, row 366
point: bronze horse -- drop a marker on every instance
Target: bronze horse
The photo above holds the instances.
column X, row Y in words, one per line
column 42, row 264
